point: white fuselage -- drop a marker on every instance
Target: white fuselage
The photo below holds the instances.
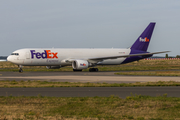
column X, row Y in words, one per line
column 50, row 57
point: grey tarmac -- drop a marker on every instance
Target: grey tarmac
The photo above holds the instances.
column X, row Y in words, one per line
column 108, row 77
column 122, row 92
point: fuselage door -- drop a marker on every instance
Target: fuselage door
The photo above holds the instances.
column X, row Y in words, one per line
column 27, row 55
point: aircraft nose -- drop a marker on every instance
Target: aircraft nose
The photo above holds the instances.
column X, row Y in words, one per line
column 9, row 58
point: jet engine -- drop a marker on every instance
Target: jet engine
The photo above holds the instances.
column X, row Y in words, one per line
column 53, row 67
column 80, row 64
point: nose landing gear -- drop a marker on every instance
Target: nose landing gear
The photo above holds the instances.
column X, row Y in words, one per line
column 20, row 68
column 93, row 70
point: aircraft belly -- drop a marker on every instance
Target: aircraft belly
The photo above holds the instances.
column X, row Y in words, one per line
column 112, row 61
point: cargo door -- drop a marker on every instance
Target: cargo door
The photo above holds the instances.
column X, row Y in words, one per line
column 27, row 55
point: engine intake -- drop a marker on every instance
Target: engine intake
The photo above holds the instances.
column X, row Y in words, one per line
column 80, row 64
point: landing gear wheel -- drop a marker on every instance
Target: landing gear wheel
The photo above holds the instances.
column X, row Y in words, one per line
column 93, row 69
column 75, row 70
column 20, row 70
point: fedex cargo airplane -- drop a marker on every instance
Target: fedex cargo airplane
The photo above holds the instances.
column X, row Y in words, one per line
column 80, row 59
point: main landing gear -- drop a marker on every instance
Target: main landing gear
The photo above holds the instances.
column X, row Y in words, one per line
column 75, row 70
column 90, row 70
column 20, row 68
column 93, row 69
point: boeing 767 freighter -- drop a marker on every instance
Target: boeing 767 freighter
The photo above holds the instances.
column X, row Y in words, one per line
column 84, row 58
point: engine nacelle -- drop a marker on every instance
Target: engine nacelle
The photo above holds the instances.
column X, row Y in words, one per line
column 53, row 67
column 80, row 64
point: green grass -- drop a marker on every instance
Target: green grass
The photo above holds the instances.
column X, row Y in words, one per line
column 134, row 66
column 39, row 84
column 133, row 107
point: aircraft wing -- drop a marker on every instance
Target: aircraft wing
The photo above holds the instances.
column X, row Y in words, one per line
column 98, row 59
column 124, row 56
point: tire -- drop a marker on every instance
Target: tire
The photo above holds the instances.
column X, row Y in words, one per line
column 93, row 69
column 20, row 70
column 75, row 70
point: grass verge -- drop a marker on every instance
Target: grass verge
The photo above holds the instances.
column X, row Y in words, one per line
column 40, row 84
column 133, row 107
column 134, row 66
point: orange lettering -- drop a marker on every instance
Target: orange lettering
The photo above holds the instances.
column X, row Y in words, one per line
column 147, row 40
column 54, row 55
column 48, row 53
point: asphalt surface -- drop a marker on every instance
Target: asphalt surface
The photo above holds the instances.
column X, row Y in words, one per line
column 58, row 73
column 122, row 92
column 108, row 77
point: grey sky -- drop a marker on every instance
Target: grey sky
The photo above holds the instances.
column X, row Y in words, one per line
column 88, row 24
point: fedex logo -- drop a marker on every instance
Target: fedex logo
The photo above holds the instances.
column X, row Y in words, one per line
column 83, row 64
column 46, row 54
column 144, row 40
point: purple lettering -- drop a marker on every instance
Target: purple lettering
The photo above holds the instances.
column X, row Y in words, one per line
column 44, row 54
column 32, row 53
column 38, row 55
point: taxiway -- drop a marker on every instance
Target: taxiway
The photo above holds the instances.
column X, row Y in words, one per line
column 122, row 92
column 108, row 77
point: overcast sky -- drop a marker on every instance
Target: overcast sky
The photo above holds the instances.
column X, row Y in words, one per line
column 88, row 24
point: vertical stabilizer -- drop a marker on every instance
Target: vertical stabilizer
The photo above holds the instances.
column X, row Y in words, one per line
column 143, row 40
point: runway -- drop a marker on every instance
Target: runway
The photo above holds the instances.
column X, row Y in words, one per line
column 122, row 92
column 108, row 77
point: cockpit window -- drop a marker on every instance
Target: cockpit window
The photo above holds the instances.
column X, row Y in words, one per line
column 14, row 53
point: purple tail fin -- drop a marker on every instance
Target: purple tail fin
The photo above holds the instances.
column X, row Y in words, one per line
column 143, row 40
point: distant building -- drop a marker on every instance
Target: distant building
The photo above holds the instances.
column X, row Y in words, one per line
column 3, row 58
